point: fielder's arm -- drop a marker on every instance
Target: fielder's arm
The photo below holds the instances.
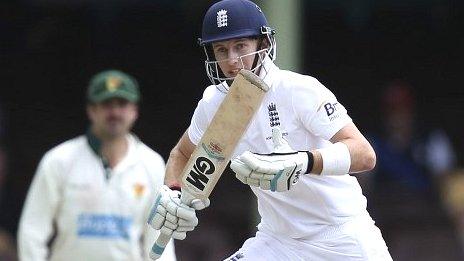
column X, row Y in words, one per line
column 178, row 158
column 36, row 223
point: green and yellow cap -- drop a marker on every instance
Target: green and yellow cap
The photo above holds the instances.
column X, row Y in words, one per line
column 112, row 84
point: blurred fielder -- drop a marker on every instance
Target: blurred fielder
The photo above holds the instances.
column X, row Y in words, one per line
column 94, row 191
column 296, row 154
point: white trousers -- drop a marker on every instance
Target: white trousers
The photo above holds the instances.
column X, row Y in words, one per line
column 358, row 240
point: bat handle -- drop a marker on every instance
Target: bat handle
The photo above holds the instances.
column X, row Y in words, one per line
column 163, row 239
column 158, row 248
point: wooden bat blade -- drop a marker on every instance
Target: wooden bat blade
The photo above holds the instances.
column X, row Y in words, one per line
column 220, row 139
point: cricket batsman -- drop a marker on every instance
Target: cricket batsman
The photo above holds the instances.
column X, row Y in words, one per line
column 296, row 154
column 95, row 191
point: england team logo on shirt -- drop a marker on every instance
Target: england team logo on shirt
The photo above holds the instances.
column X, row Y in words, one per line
column 274, row 119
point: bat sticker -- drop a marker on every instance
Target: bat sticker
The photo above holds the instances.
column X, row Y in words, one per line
column 197, row 176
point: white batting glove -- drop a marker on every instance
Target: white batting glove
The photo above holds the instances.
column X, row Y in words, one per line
column 277, row 171
column 171, row 216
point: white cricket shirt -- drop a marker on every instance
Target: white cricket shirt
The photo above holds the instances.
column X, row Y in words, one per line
column 308, row 115
column 96, row 218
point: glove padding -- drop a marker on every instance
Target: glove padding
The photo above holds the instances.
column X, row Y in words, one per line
column 277, row 171
column 171, row 216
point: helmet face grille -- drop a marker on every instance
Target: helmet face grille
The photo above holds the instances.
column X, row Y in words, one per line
column 215, row 74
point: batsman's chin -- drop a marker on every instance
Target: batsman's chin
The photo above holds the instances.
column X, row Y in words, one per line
column 232, row 73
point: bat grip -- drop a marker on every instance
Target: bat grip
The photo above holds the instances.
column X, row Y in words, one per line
column 158, row 248
column 163, row 239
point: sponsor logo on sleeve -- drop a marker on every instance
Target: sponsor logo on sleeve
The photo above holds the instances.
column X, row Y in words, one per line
column 332, row 110
column 103, row 226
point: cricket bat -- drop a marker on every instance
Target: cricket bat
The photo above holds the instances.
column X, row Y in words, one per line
column 214, row 151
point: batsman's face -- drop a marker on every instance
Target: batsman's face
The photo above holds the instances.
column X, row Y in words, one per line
column 233, row 55
column 114, row 117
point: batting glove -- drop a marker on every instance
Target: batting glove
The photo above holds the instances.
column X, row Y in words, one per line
column 171, row 216
column 277, row 171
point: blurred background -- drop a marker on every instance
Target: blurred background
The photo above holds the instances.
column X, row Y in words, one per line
column 394, row 64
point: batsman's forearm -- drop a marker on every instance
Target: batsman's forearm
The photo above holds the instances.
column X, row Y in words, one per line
column 363, row 156
column 176, row 163
column 178, row 158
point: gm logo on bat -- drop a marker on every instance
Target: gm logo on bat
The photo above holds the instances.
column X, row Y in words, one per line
column 198, row 175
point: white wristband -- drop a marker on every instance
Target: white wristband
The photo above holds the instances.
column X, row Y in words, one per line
column 336, row 159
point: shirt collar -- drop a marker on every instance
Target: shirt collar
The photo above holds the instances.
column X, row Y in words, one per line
column 130, row 157
column 268, row 71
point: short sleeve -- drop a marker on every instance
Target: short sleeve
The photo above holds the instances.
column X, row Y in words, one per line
column 319, row 109
column 204, row 113
column 198, row 124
